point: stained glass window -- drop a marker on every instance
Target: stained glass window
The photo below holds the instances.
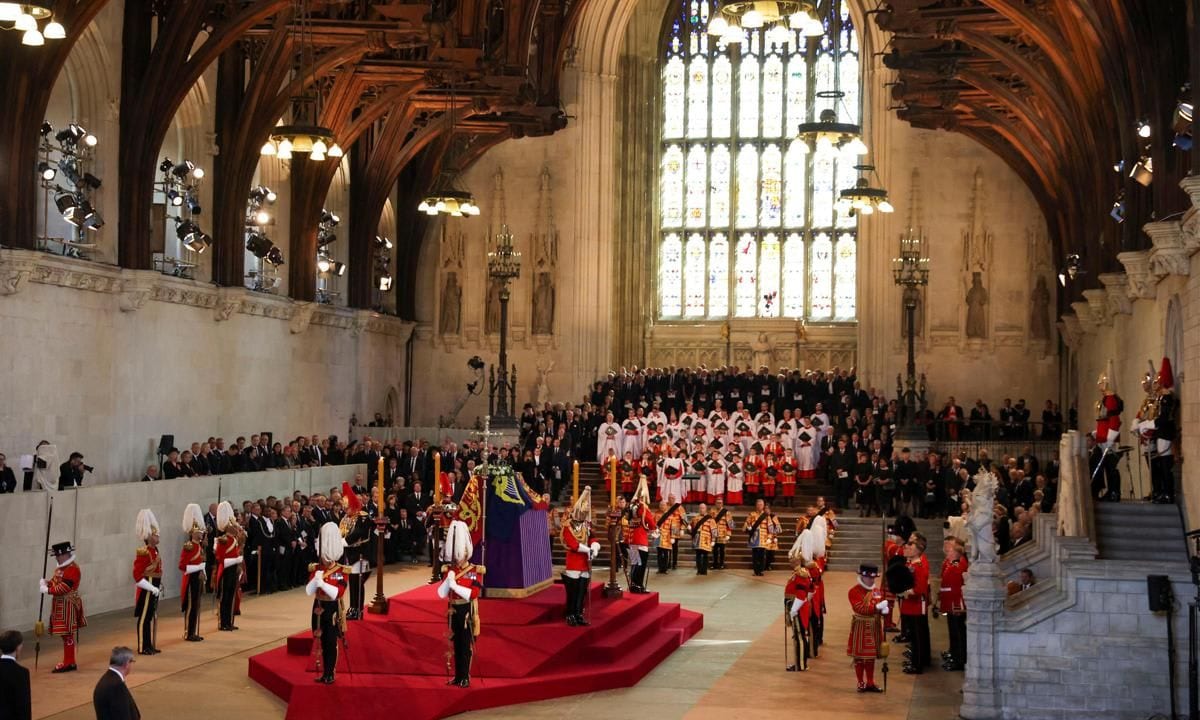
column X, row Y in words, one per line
column 762, row 237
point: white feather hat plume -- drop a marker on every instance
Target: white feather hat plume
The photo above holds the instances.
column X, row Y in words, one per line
column 193, row 518
column 146, row 524
column 458, row 547
column 582, row 510
column 224, row 515
column 331, row 543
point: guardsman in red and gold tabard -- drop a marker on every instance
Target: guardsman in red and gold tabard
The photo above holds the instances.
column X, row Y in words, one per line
column 798, row 609
column 327, row 583
column 147, row 578
column 914, row 606
column 952, row 605
column 582, row 547
column 66, row 607
column 704, row 535
column 191, row 564
column 461, row 589
column 866, row 626
column 228, row 549
column 725, row 527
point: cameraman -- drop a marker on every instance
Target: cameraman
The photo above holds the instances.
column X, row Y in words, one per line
column 70, row 473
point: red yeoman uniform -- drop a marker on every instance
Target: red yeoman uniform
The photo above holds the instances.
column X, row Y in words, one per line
column 66, row 607
column 866, row 627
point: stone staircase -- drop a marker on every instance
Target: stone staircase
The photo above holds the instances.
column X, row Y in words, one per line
column 860, row 540
column 1139, row 531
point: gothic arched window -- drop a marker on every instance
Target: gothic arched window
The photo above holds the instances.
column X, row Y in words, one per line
column 747, row 220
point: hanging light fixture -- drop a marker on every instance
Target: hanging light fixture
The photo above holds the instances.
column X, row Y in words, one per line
column 827, row 134
column 24, row 18
column 445, row 197
column 862, row 198
column 306, row 138
column 781, row 17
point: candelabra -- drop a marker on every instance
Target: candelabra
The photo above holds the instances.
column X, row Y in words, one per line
column 910, row 270
column 504, row 266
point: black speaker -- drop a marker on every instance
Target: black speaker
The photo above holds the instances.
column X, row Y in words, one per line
column 1158, row 589
column 165, row 443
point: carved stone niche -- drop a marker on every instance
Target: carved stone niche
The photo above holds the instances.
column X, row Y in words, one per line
column 1169, row 257
column 1097, row 300
column 1084, row 312
column 1138, row 283
column 1116, row 285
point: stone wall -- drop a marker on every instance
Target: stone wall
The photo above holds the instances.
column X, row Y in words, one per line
column 104, row 361
column 100, row 521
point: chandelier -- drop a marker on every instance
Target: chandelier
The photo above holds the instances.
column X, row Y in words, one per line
column 862, row 198
column 827, row 134
column 780, row 17
column 310, row 139
column 445, row 197
column 24, row 18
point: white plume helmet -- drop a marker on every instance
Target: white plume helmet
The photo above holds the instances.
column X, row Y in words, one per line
column 224, row 515
column 642, row 493
column 458, row 546
column 331, row 543
column 820, row 530
column 193, row 518
column 146, row 524
column 582, row 510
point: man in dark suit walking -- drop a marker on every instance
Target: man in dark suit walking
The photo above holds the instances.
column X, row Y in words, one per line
column 14, row 679
column 112, row 698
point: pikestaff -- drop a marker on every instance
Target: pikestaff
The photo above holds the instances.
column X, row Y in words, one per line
column 40, row 628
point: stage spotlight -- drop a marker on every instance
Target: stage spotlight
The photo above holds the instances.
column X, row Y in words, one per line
column 262, row 194
column 329, row 218
column 324, row 237
column 385, row 283
column 92, row 219
column 174, row 197
column 65, row 202
column 323, row 264
column 274, row 256
column 258, row 245
column 262, row 217
column 184, row 169
column 338, row 268
column 47, row 128
column 1143, row 171
column 46, row 171
column 385, row 242
column 193, row 205
column 1119, row 166
column 1143, row 128
column 192, row 237
column 165, row 165
column 1118, row 210
column 475, row 363
column 91, row 181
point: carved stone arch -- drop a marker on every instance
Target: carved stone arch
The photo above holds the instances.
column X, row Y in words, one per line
column 192, row 124
column 391, row 404
column 91, row 96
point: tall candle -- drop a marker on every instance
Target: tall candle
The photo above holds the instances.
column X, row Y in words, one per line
column 612, row 474
column 437, row 477
column 379, row 485
column 574, row 483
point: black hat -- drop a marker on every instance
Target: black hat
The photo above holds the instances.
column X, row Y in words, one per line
column 62, row 548
column 868, row 570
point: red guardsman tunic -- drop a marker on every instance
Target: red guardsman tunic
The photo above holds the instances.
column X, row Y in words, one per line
column 147, row 565
column 572, row 539
column 914, row 603
column 191, row 554
column 1108, row 419
column 66, row 608
column 800, row 586
column 950, row 599
column 227, row 547
column 866, row 627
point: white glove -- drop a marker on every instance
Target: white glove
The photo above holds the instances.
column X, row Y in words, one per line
column 148, row 587
column 43, row 586
column 331, row 591
column 319, row 575
column 230, row 562
column 595, row 548
column 797, row 603
column 584, row 549
column 311, row 587
column 882, row 606
column 194, row 569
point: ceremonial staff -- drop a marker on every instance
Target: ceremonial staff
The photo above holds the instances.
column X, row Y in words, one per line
column 885, row 647
column 39, row 628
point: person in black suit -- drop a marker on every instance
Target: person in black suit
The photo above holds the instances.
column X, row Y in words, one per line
column 70, row 473
column 111, row 698
column 8, row 480
column 14, row 679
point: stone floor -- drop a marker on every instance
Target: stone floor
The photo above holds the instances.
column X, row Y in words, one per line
column 732, row 669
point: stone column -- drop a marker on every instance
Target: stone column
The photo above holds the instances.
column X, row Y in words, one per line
column 984, row 595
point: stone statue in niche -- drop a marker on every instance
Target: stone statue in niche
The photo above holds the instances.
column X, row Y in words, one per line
column 543, row 305
column 977, row 299
column 491, row 323
column 451, row 305
column 1039, row 304
column 762, row 351
column 979, row 519
column 543, row 382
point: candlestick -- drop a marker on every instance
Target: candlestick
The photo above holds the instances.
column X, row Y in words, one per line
column 612, row 476
column 574, row 483
column 379, row 486
column 437, row 477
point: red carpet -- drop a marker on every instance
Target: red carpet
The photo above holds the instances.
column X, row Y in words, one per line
column 397, row 663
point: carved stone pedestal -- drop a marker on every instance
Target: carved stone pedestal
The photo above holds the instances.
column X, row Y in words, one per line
column 984, row 595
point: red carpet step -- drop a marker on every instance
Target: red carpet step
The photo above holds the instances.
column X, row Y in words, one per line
column 398, row 662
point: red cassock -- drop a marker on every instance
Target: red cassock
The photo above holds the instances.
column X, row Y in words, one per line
column 576, row 560
column 914, row 602
column 227, row 547
column 866, row 630
column 639, row 532
column 950, row 599
column 1108, row 424
column 66, row 608
column 800, row 586
column 147, row 565
column 191, row 554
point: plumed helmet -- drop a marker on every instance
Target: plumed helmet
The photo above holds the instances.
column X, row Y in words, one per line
column 193, row 518
column 330, row 542
column 351, row 500
column 458, row 547
column 1166, row 378
column 820, row 531
column 642, row 494
column 146, row 524
column 582, row 510
column 224, row 515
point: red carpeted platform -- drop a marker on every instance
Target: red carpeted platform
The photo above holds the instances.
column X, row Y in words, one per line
column 397, row 663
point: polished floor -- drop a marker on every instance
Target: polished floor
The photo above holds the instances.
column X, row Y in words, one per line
column 731, row 669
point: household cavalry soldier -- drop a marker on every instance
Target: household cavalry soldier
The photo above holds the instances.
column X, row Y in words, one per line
column 191, row 564
column 952, row 605
column 356, row 527
column 327, row 582
column 147, row 577
column 723, row 520
column 1158, row 428
column 66, row 608
column 641, row 524
column 461, row 588
column 704, row 532
column 1108, row 432
column 866, row 627
column 582, row 547
column 228, row 576
column 798, row 610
